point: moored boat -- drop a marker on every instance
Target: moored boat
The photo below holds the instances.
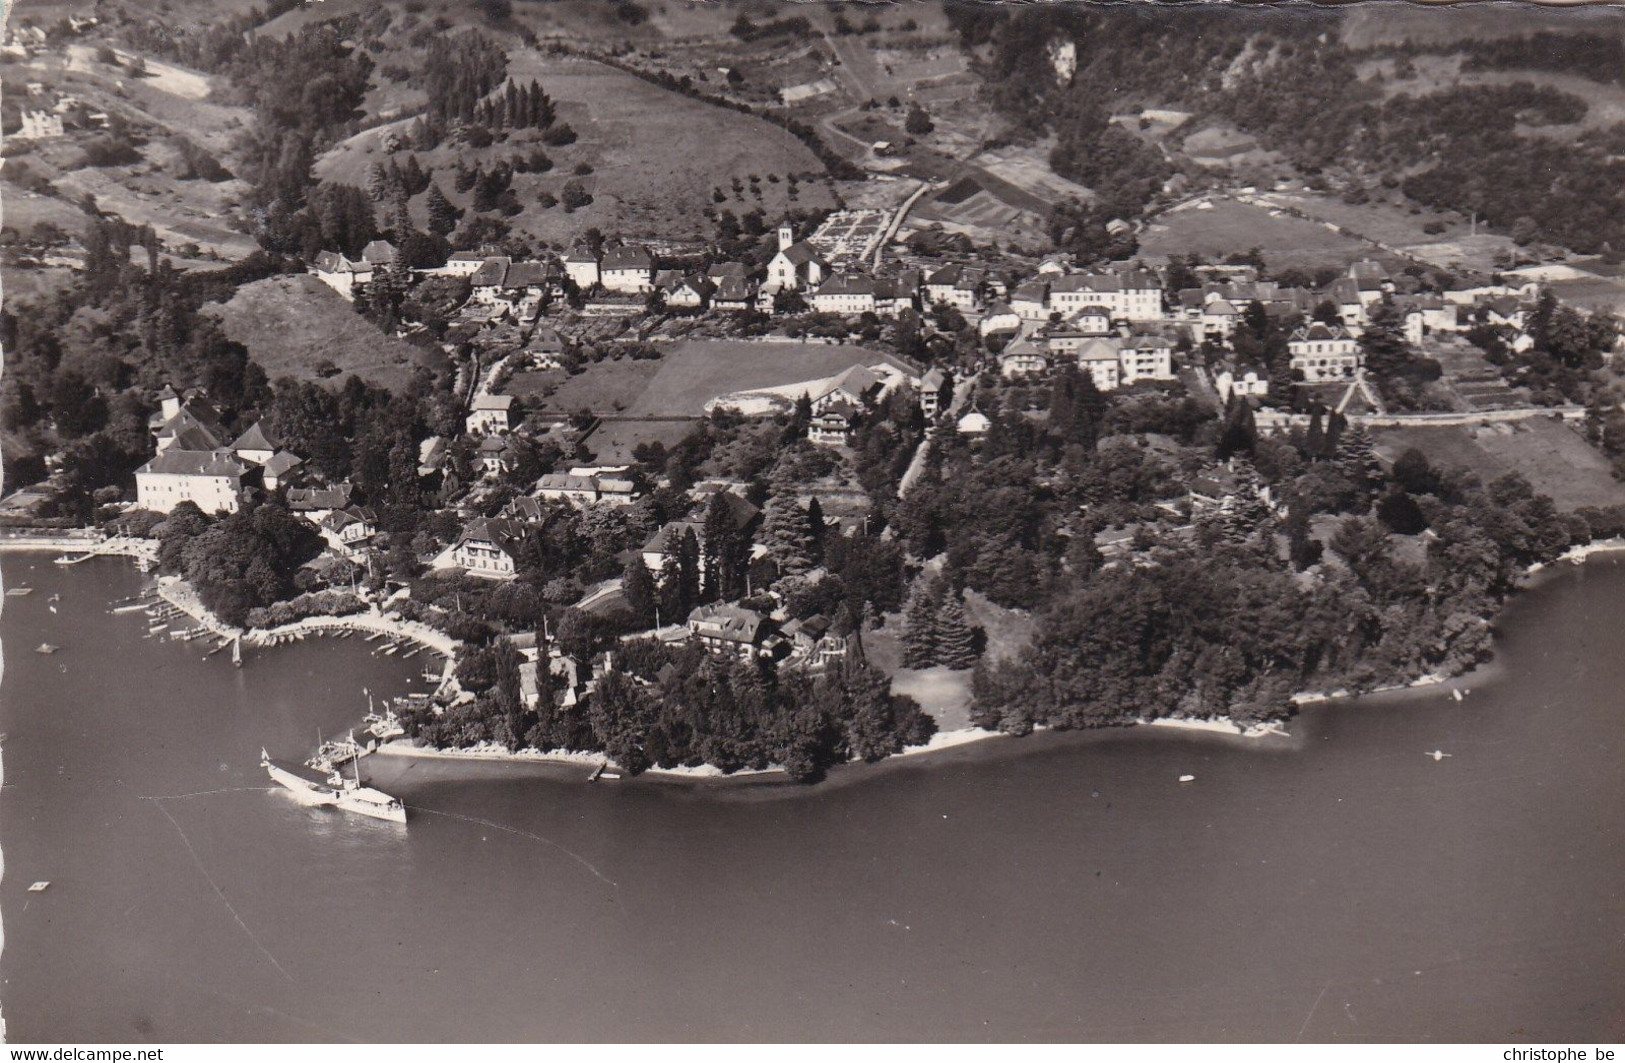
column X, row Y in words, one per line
column 309, row 787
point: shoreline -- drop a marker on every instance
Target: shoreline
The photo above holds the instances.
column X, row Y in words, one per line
column 178, row 593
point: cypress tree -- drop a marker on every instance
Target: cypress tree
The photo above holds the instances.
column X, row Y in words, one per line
column 956, row 642
column 638, row 588
column 688, row 571
column 815, row 524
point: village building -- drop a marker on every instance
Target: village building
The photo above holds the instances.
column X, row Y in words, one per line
column 958, row 286
column 1000, row 317
column 733, row 293
column 812, row 642
column 936, row 387
column 490, row 414
column 1134, row 295
column 210, row 479
column 280, row 470
column 1324, row 352
column 1023, row 358
column 1102, row 360
column 347, row 529
column 486, row 548
column 627, row 268
column 856, row 386
column 581, row 266
column 668, row 540
column 974, row 424
column 315, row 503
column 463, row 263
column 495, row 456
column 845, row 293
column 795, row 266
column 253, row 446
column 894, row 295
column 1030, row 301
column 563, row 487
column 1242, row 383
column 833, row 425
column 489, row 280
column 1147, row 355
column 1345, row 295
column 1219, row 318
column 726, row 629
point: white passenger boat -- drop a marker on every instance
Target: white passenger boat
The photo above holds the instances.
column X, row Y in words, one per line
column 308, row 786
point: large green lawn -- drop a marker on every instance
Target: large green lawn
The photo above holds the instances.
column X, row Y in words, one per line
column 1553, row 456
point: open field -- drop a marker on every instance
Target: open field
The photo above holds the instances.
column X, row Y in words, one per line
column 612, row 442
column 639, row 141
column 1028, row 167
column 1553, row 456
column 291, row 325
column 1232, row 226
column 610, row 386
column 693, row 373
column 689, row 375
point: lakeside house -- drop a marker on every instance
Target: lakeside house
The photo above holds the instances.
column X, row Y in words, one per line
column 193, row 463
column 210, row 479
column 727, row 629
column 487, row 548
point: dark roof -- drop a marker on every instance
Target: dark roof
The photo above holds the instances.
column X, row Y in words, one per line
column 253, row 439
column 308, row 498
column 281, row 462
column 526, row 275
column 848, row 284
column 505, row 535
column 176, row 462
column 628, row 256
column 726, row 621
column 800, row 253
column 492, row 273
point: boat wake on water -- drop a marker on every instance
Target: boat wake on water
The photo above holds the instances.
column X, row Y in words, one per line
column 577, row 857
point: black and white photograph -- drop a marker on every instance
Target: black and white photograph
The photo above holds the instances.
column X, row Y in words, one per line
column 750, row 522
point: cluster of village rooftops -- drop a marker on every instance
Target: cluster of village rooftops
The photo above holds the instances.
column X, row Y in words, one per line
column 1120, row 326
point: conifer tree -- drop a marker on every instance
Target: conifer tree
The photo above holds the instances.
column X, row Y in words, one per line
column 375, row 182
column 442, row 215
column 639, row 590
column 920, row 623
column 956, row 642
column 788, row 535
column 688, row 572
column 815, row 524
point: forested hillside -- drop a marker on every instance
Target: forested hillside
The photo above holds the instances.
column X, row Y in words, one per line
column 1518, row 155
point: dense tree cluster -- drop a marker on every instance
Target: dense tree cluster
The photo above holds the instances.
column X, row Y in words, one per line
column 678, row 706
column 240, row 562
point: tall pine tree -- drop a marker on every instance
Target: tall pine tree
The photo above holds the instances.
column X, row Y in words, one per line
column 956, row 642
column 920, row 623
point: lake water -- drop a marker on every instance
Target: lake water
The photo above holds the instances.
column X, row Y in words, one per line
column 1336, row 885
